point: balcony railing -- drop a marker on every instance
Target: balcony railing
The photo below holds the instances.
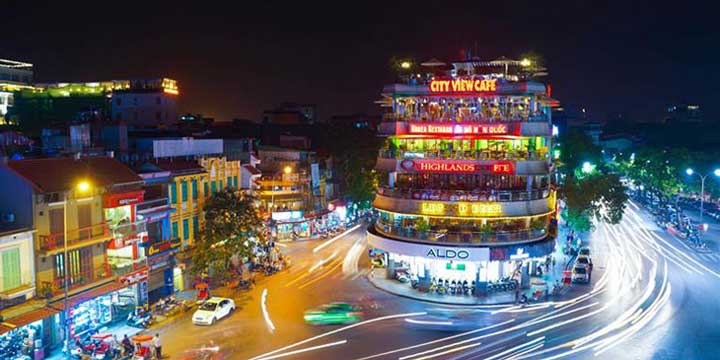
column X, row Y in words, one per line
column 26, row 282
column 77, row 280
column 122, row 267
column 463, row 237
column 518, row 155
column 75, row 236
column 464, row 195
column 481, row 118
column 130, row 232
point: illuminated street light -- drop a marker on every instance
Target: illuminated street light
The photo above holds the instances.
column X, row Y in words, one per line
column 525, row 62
column 587, row 167
column 83, row 186
column 287, row 169
column 405, row 64
column 690, row 172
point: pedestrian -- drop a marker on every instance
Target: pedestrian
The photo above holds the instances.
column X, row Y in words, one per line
column 517, row 294
column 158, row 346
column 553, row 260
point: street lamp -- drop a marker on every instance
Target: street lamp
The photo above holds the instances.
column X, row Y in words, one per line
column 83, row 186
column 287, row 170
column 690, row 172
column 587, row 167
column 405, row 64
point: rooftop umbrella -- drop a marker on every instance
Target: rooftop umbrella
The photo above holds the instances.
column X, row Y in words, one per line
column 142, row 338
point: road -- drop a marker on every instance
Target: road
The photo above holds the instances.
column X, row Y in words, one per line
column 652, row 302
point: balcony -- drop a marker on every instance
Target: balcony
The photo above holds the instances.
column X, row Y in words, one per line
column 466, row 209
column 76, row 238
column 26, row 285
column 123, row 266
column 461, row 237
column 517, row 155
column 128, row 233
column 77, row 280
column 486, row 117
column 464, row 195
column 474, row 129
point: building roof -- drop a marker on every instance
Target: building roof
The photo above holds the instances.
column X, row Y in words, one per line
column 252, row 170
column 61, row 174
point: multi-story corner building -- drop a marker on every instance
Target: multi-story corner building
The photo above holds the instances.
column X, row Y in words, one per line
column 465, row 188
column 85, row 208
column 147, row 103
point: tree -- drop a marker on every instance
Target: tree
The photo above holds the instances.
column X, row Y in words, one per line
column 233, row 228
column 594, row 194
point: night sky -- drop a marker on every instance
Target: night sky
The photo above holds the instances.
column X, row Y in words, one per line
column 631, row 58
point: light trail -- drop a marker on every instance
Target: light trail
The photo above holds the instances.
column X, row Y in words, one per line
column 350, row 263
column 437, row 340
column 266, row 314
column 461, row 348
column 299, row 351
column 336, row 264
column 328, row 242
column 381, row 318
column 527, row 344
column 322, row 262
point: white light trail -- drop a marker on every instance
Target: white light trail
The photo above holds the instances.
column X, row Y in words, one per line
column 266, row 314
column 328, row 242
column 341, row 342
column 387, row 317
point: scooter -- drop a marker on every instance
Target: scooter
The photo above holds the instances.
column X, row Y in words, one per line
column 142, row 319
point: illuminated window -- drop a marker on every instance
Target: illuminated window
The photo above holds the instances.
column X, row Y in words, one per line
column 194, row 189
column 173, row 193
column 186, row 229
column 184, row 190
column 175, row 230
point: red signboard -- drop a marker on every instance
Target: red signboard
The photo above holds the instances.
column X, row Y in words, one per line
column 462, row 129
column 449, row 166
column 122, row 199
column 134, row 277
column 462, row 85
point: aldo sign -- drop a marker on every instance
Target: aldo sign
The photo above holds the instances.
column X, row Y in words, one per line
column 445, row 253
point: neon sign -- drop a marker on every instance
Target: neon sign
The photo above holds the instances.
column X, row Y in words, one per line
column 445, row 166
column 432, row 208
column 462, row 85
column 458, row 129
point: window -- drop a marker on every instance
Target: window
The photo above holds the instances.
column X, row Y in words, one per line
column 194, row 189
column 173, row 193
column 186, row 229
column 11, row 269
column 213, row 187
column 184, row 190
column 229, row 181
column 235, row 182
column 196, row 225
column 175, row 230
column 206, row 188
column 221, row 185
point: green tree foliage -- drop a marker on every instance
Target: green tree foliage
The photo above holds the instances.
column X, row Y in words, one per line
column 658, row 170
column 233, row 228
column 596, row 195
column 354, row 152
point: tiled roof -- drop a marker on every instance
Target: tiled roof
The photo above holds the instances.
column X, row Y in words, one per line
column 253, row 170
column 61, row 174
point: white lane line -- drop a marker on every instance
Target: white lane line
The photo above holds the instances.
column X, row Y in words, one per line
column 336, row 331
column 298, row 351
column 266, row 315
column 328, row 242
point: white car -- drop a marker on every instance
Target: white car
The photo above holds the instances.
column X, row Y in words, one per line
column 213, row 310
column 580, row 273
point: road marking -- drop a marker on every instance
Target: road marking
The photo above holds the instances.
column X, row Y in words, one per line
column 326, row 243
column 336, row 263
column 387, row 317
column 266, row 315
column 305, row 350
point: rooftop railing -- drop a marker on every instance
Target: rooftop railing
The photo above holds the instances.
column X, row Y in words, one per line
column 462, row 236
column 465, row 154
column 464, row 195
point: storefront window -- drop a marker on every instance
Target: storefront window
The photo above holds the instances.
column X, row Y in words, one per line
column 103, row 310
column 118, row 216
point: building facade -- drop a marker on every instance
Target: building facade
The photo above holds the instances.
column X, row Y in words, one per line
column 465, row 188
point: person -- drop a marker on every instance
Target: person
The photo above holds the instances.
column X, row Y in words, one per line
column 158, row 346
column 127, row 345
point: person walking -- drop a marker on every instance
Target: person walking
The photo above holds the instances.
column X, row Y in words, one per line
column 158, row 346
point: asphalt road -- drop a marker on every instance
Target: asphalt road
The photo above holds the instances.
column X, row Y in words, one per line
column 654, row 299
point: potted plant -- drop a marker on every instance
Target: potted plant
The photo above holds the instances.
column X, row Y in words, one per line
column 46, row 291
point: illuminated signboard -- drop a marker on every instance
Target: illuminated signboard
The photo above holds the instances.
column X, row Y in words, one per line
column 432, row 208
column 459, row 129
column 461, row 208
column 462, row 85
column 447, row 166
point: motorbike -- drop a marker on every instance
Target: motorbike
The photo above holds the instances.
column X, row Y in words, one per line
column 140, row 319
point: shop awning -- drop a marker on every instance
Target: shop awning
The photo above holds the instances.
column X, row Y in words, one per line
column 93, row 293
column 27, row 318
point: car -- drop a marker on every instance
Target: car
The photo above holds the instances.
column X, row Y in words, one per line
column 580, row 273
column 584, row 251
column 583, row 260
column 213, row 310
column 333, row 313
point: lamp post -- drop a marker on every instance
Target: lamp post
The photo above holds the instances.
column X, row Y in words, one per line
column 82, row 186
column 690, row 172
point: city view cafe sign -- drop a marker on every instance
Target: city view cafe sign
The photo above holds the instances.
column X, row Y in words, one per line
column 462, row 85
column 449, row 166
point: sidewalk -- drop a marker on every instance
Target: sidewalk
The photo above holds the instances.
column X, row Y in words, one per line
column 378, row 279
column 119, row 330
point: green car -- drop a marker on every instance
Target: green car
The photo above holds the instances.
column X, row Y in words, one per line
column 333, row 313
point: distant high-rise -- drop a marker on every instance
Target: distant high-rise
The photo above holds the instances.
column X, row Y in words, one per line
column 14, row 75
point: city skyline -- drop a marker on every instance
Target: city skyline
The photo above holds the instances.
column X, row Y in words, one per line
column 238, row 62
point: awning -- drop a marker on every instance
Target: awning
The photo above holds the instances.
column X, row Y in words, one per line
column 98, row 291
column 27, row 318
